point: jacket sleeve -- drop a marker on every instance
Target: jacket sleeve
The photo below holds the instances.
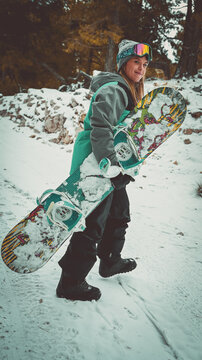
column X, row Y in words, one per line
column 107, row 108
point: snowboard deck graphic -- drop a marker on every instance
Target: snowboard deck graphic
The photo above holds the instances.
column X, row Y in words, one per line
column 35, row 239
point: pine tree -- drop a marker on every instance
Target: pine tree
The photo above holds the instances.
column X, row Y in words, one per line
column 46, row 43
column 187, row 65
column 31, row 34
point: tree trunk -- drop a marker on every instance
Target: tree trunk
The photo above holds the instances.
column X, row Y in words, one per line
column 89, row 63
column 187, row 65
column 109, row 61
column 53, row 72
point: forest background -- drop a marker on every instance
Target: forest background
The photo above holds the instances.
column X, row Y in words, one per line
column 49, row 43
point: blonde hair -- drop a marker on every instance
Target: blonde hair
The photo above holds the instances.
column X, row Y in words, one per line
column 137, row 90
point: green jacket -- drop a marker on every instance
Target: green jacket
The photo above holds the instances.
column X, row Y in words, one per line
column 110, row 105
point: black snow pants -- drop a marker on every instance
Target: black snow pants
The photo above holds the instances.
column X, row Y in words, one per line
column 104, row 236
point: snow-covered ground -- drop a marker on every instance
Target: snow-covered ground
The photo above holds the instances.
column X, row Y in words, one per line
column 153, row 313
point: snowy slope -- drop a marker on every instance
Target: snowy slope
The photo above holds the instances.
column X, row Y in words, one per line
column 153, row 313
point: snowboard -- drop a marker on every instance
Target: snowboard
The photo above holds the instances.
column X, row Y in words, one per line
column 60, row 212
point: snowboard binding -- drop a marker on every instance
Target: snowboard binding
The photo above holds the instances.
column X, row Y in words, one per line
column 61, row 211
column 127, row 153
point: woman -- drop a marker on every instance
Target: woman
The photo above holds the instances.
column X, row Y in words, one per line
column 115, row 95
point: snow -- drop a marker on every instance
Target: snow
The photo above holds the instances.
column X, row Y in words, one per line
column 152, row 313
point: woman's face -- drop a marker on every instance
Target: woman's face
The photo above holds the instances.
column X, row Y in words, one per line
column 135, row 68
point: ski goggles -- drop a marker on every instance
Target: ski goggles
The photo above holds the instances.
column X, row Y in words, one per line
column 140, row 49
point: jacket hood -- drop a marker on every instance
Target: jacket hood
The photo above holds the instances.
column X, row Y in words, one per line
column 105, row 77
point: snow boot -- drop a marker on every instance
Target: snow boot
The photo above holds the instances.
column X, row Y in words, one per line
column 120, row 266
column 76, row 290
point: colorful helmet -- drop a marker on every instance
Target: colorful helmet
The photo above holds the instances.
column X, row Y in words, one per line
column 128, row 49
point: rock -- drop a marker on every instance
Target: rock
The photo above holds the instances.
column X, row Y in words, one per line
column 199, row 190
column 187, row 141
column 187, row 131
column 64, row 137
column 54, row 123
column 73, row 103
column 81, row 118
column 196, row 114
column 197, row 88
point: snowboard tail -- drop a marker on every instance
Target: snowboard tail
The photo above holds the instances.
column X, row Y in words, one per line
column 35, row 239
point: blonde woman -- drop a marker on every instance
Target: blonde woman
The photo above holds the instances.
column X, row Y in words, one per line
column 115, row 95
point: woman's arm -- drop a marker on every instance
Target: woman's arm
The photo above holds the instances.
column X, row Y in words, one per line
column 107, row 109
